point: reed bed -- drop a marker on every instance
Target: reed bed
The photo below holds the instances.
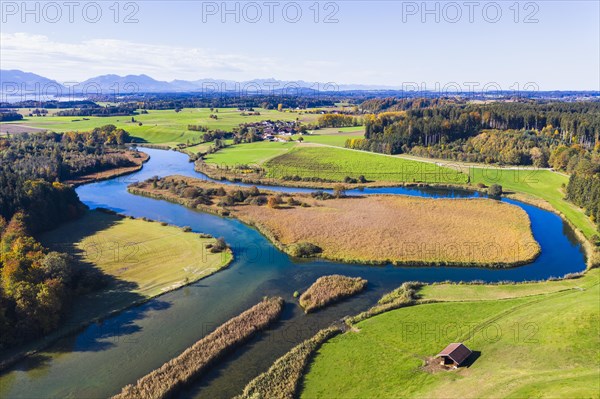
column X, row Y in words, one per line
column 165, row 381
column 374, row 229
column 329, row 289
column 283, row 378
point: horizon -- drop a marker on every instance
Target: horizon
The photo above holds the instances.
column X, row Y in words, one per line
column 551, row 45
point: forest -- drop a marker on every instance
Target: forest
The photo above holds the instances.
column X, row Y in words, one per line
column 519, row 133
column 36, row 285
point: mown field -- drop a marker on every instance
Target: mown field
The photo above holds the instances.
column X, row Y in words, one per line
column 145, row 258
column 253, row 154
column 544, row 345
column 335, row 164
column 164, row 126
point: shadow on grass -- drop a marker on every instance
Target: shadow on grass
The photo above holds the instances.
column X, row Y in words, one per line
column 471, row 359
column 98, row 317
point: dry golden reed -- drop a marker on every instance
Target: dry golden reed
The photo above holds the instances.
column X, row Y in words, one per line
column 329, row 289
column 166, row 380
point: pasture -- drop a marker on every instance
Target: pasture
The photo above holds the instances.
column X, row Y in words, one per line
column 522, row 349
column 541, row 183
column 255, row 153
column 335, row 164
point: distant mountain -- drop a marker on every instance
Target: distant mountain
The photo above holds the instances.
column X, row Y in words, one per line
column 15, row 81
column 115, row 84
column 131, row 84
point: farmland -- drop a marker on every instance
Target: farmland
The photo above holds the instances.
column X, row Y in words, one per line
column 335, row 164
column 515, row 342
column 307, row 226
column 165, row 127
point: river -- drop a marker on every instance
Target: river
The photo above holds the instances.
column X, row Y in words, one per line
column 100, row 360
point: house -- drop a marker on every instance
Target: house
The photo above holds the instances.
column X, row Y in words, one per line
column 454, row 355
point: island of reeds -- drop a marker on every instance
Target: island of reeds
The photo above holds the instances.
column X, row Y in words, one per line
column 328, row 289
column 374, row 229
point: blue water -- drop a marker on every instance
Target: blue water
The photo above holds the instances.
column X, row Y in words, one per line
column 103, row 358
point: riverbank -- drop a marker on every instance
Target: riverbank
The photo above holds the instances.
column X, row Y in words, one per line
column 136, row 157
column 509, row 327
column 139, row 260
column 385, row 229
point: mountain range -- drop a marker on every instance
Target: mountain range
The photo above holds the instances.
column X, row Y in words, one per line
column 18, row 82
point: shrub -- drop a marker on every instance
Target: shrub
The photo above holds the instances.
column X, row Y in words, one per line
column 186, row 229
column 495, row 190
column 304, row 250
column 219, row 246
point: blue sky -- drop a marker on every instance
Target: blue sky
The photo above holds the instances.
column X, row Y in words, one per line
column 372, row 42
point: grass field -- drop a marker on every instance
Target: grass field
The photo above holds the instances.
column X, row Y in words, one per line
column 163, row 126
column 146, row 257
column 544, row 184
column 333, row 136
column 248, row 154
column 336, row 164
column 544, row 345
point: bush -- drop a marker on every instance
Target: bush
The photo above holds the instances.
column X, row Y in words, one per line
column 304, row 250
column 219, row 246
column 186, row 229
column 495, row 190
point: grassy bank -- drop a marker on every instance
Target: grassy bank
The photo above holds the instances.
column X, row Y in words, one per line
column 166, row 380
column 146, row 257
column 461, row 232
column 513, row 330
column 328, row 289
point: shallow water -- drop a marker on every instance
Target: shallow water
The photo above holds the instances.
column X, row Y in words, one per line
column 104, row 357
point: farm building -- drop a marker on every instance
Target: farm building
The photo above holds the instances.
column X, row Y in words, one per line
column 454, row 354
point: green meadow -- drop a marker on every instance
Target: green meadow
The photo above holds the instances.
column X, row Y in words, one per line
column 255, row 153
column 335, row 164
column 532, row 340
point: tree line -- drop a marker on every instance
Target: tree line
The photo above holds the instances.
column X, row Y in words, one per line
column 36, row 285
column 509, row 132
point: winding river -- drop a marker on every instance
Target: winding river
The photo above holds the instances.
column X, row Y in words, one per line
column 100, row 360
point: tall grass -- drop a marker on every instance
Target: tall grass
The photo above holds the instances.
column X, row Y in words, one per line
column 329, row 289
column 282, row 380
column 166, row 380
